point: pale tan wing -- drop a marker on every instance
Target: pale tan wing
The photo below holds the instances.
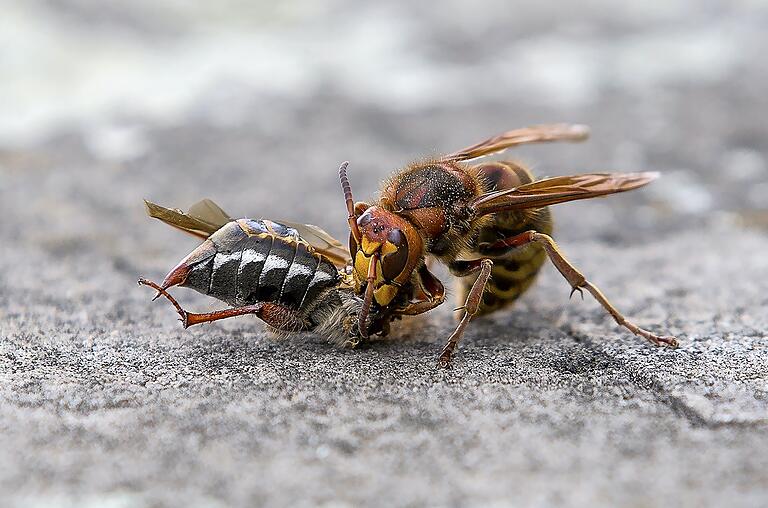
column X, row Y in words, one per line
column 559, row 189
column 202, row 220
column 535, row 134
column 323, row 242
column 208, row 211
column 205, row 218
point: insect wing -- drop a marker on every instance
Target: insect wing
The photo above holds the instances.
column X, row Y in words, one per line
column 207, row 211
column 202, row 220
column 535, row 134
column 559, row 189
column 323, row 242
column 206, row 217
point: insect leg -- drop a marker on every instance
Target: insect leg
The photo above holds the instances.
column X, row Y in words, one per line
column 428, row 294
column 362, row 318
column 470, row 309
column 273, row 314
column 421, row 306
column 578, row 281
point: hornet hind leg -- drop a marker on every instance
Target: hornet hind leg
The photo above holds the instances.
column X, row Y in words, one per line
column 577, row 281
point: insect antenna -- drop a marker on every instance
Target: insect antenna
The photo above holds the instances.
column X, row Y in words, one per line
column 347, row 188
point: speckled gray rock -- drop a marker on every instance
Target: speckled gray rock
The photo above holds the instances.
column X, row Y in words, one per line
column 106, row 401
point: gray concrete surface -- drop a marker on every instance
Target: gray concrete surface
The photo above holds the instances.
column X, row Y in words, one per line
column 105, row 401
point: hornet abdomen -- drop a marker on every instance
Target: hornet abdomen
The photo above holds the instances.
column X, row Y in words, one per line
column 514, row 270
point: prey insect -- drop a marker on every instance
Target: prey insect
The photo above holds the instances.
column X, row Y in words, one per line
column 292, row 276
column 488, row 222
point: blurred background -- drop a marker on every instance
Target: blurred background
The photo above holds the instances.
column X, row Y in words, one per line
column 247, row 101
column 255, row 104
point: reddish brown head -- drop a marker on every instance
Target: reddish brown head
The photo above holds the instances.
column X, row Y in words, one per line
column 386, row 249
column 394, row 242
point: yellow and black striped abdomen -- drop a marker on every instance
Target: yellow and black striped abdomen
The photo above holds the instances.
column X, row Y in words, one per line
column 515, row 270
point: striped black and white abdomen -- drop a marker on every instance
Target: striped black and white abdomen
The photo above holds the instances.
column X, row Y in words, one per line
column 249, row 261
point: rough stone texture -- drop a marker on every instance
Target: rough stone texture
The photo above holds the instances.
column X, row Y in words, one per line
column 105, row 401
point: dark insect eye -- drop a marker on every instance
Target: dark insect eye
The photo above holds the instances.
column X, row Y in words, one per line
column 393, row 264
column 397, row 238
